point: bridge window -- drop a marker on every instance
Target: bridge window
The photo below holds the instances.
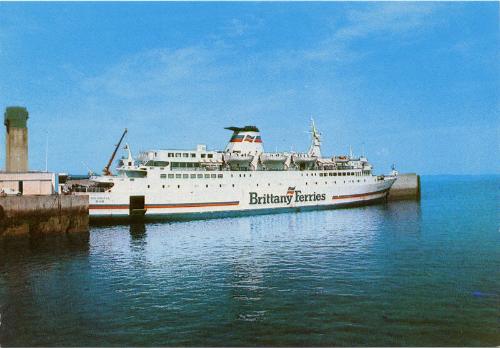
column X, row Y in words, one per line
column 193, row 155
column 193, row 176
column 220, row 176
column 178, row 176
column 185, row 176
column 156, row 163
column 213, row 176
column 170, row 154
column 163, row 176
column 210, row 155
column 170, row 176
column 207, row 176
column 203, row 155
column 200, row 176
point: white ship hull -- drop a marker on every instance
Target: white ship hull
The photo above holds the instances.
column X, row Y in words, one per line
column 242, row 179
column 227, row 193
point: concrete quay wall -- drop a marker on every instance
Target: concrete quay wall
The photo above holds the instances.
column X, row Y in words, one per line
column 406, row 187
column 30, row 219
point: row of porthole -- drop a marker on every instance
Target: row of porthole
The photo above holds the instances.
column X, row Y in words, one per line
column 220, row 176
column 201, row 176
column 191, row 176
column 342, row 174
column 220, row 185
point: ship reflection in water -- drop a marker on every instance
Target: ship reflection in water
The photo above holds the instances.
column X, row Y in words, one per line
column 138, row 231
column 380, row 275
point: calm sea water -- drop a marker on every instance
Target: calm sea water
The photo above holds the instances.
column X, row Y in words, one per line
column 404, row 273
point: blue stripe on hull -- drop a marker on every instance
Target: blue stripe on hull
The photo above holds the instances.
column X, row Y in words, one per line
column 96, row 219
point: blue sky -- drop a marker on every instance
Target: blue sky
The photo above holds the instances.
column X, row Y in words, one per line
column 417, row 83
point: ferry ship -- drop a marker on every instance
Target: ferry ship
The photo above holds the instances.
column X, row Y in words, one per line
column 242, row 179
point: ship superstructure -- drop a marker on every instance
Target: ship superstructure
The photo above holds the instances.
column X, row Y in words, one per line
column 243, row 178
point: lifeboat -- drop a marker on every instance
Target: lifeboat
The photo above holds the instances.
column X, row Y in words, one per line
column 342, row 159
column 303, row 158
column 327, row 164
column 268, row 158
column 237, row 158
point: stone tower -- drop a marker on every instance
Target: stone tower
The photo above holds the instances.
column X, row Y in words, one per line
column 15, row 120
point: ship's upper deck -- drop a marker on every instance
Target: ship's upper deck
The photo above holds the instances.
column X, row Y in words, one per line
column 244, row 152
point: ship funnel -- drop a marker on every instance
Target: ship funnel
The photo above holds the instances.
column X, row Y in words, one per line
column 245, row 140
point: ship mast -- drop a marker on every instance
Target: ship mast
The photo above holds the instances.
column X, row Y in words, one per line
column 106, row 170
column 315, row 149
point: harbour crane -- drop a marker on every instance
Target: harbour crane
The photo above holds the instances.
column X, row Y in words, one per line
column 106, row 170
